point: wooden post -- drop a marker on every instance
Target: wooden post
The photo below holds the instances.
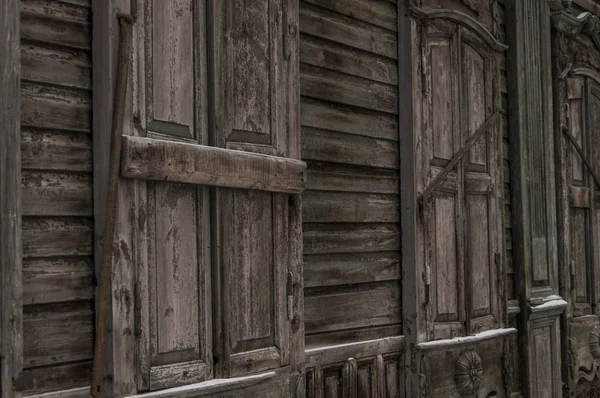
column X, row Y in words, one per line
column 11, row 341
column 534, row 195
column 407, row 48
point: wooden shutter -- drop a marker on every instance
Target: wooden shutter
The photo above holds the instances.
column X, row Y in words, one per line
column 215, row 208
column 462, row 232
column 173, row 257
column 255, row 105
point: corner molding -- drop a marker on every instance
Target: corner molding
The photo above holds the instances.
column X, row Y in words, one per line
column 462, row 19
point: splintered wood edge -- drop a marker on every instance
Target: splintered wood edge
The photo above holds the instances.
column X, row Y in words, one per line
column 153, row 159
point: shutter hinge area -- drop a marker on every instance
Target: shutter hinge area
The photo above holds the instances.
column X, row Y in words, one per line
column 290, row 297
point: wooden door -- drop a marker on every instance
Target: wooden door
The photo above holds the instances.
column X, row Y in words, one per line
column 211, row 197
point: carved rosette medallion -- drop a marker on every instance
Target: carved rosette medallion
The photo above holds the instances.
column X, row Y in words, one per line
column 594, row 342
column 468, row 373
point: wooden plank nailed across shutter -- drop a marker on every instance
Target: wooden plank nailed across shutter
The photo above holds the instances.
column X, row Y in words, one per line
column 152, row 159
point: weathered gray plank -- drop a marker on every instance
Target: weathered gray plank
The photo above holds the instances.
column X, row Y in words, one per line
column 48, row 237
column 334, row 147
column 167, row 376
column 323, row 207
column 350, row 238
column 55, row 333
column 57, row 23
column 325, row 54
column 347, row 89
column 10, row 198
column 53, row 150
column 57, row 280
column 56, row 108
column 335, row 27
column 336, row 117
column 352, row 307
column 376, row 12
column 56, row 194
column 196, row 164
column 56, row 377
column 55, row 66
column 350, row 268
column 341, row 178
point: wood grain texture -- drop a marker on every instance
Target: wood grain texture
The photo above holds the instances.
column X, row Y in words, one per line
column 11, row 343
column 152, row 159
column 53, row 334
column 57, row 194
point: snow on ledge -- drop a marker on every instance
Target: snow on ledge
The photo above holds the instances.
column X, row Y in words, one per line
column 488, row 334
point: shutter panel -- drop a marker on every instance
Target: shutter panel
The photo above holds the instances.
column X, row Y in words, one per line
column 462, row 229
column 173, row 258
column 253, row 98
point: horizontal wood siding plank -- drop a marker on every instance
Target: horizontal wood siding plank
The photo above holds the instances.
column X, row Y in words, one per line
column 54, row 378
column 350, row 268
column 350, row 238
column 351, row 180
column 335, row 27
column 352, row 307
column 56, row 194
column 54, row 237
column 376, row 12
column 56, row 23
column 197, row 164
column 345, row 89
column 55, row 333
column 58, row 280
column 343, row 59
column 344, row 119
column 334, row 147
column 349, row 207
column 55, row 108
column 53, row 150
column 54, row 66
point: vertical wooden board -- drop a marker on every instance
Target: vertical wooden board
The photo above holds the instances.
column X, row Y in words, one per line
column 251, row 40
column 392, row 379
column 176, row 267
column 579, row 254
column 446, row 265
column 475, row 81
column 479, row 252
column 442, row 104
column 173, row 62
column 542, row 364
column 595, row 127
column 575, row 107
column 252, row 272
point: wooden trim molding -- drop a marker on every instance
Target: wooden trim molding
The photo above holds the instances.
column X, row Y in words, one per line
column 153, row 159
column 11, row 338
column 462, row 19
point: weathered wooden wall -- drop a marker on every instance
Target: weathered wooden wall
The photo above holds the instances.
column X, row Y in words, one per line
column 351, row 208
column 57, row 232
column 349, row 107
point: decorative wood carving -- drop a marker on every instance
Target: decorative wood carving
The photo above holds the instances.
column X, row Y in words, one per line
column 472, row 4
column 573, row 25
column 468, row 375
